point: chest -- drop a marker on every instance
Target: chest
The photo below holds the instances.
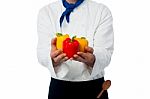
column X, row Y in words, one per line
column 82, row 23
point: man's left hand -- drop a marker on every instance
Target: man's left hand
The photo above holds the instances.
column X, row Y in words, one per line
column 88, row 57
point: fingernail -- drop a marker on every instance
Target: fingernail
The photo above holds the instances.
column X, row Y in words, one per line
column 71, row 58
column 78, row 52
column 66, row 57
column 74, row 55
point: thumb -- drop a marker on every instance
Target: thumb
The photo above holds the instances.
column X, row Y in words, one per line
column 89, row 49
column 53, row 44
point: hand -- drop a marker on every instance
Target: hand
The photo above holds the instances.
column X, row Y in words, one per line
column 56, row 55
column 88, row 58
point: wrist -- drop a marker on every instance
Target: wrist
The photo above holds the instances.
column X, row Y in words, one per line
column 54, row 63
column 92, row 62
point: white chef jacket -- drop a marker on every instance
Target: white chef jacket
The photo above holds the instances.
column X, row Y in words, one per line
column 91, row 20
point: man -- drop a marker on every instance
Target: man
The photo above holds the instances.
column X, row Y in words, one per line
column 82, row 76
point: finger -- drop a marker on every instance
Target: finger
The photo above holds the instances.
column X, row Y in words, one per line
column 55, row 53
column 83, row 55
column 71, row 58
column 78, row 58
column 59, row 57
column 64, row 59
column 53, row 44
column 89, row 49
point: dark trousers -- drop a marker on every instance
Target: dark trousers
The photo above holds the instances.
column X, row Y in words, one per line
column 60, row 89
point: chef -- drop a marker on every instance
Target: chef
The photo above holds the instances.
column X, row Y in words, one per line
column 80, row 77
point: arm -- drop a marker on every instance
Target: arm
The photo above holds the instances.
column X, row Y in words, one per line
column 47, row 53
column 103, row 42
column 45, row 34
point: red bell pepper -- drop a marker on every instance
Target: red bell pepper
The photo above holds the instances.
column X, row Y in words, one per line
column 70, row 47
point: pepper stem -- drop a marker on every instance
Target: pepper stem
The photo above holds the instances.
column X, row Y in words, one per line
column 83, row 38
column 73, row 38
column 59, row 34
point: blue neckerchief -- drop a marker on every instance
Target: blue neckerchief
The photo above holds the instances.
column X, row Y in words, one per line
column 69, row 9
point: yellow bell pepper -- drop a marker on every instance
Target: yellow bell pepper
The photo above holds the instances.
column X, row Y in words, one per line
column 83, row 42
column 60, row 39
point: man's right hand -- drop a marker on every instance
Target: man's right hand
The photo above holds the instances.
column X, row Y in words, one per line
column 56, row 55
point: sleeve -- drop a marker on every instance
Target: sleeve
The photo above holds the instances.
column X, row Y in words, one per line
column 45, row 34
column 103, row 42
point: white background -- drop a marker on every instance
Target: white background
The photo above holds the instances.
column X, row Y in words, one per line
column 22, row 77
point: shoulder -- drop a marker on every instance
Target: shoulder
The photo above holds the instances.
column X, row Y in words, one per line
column 100, row 7
column 51, row 6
